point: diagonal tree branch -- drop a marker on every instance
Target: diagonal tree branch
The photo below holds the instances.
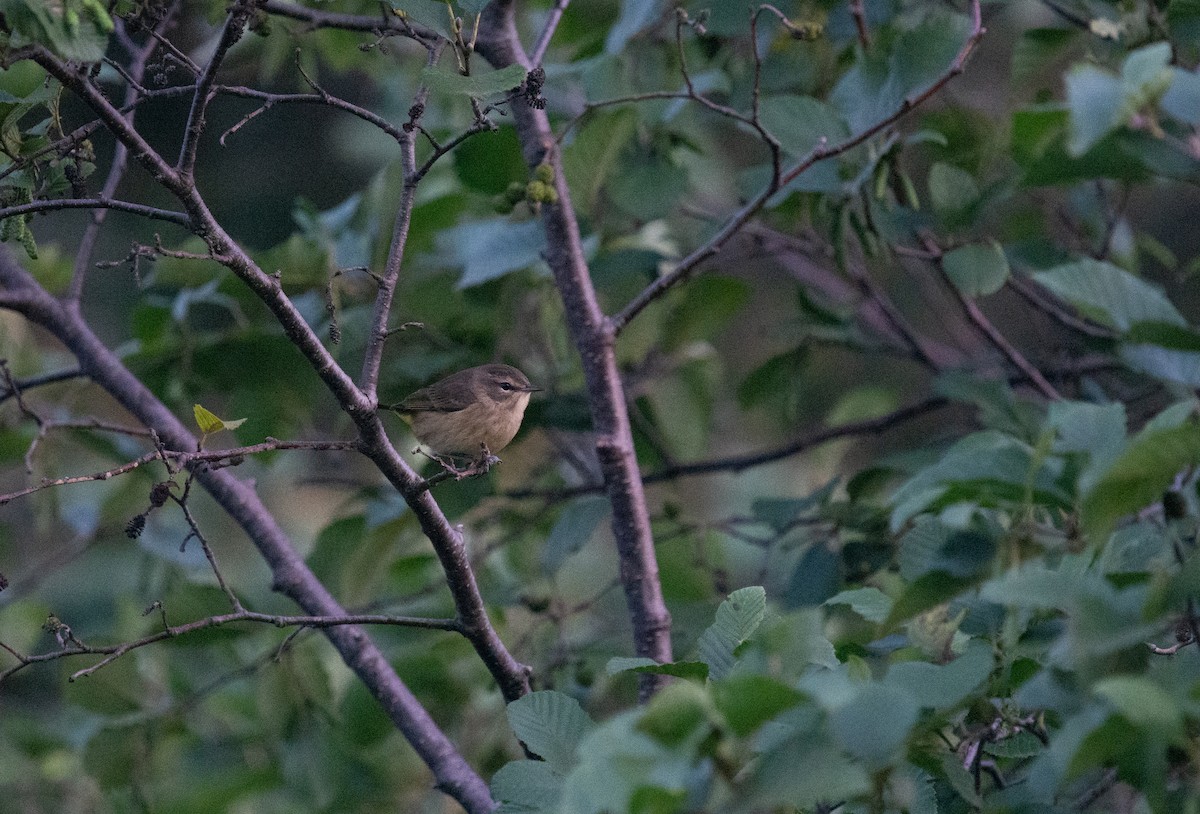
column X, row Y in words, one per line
column 291, row 575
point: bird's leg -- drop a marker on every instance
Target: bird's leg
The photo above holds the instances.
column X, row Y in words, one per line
column 480, row 465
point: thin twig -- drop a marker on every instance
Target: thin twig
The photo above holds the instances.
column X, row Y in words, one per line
column 102, row 202
column 822, row 152
column 114, row 652
column 182, row 459
column 40, row 381
column 235, row 25
column 990, row 331
column 739, row 463
column 543, row 41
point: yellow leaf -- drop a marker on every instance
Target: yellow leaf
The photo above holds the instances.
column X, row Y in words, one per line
column 207, row 421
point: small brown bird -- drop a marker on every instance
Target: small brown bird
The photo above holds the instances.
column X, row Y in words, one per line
column 474, row 412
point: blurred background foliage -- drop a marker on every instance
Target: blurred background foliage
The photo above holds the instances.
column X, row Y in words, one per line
column 960, row 569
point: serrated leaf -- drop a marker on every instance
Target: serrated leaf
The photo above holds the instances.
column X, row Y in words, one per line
column 737, row 619
column 479, row 85
column 527, row 786
column 551, row 724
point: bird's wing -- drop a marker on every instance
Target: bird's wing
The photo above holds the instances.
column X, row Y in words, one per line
column 429, row 399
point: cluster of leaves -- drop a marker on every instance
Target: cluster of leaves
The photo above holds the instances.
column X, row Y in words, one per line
column 997, row 662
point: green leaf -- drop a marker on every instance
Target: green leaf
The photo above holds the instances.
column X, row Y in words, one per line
column 876, row 723
column 489, row 161
column 1095, row 429
column 592, row 158
column 1143, row 703
column 1164, row 363
column 551, row 724
column 617, row 760
column 76, row 31
column 985, row 466
column 1036, row 586
column 951, row 189
column 1100, row 102
column 737, row 619
column 432, row 15
column 1035, row 54
column 776, row 379
column 708, row 305
column 871, row 604
column 801, row 122
column 749, row 701
column 1111, row 293
column 477, row 85
column 1021, row 744
column 488, row 249
column 804, row 771
column 1040, row 135
column 1094, row 99
column 877, row 84
column 1139, row 476
column 1145, row 76
column 528, row 787
column 927, row 592
column 678, row 713
column 931, row 545
column 648, row 183
column 977, row 269
column 572, row 530
column 1164, row 334
column 1183, row 17
column 696, row 670
column 1182, row 99
column 944, row 686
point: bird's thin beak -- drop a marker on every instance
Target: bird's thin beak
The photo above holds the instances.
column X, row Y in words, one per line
column 532, row 389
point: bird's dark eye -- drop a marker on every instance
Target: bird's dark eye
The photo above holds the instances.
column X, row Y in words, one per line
column 505, row 386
